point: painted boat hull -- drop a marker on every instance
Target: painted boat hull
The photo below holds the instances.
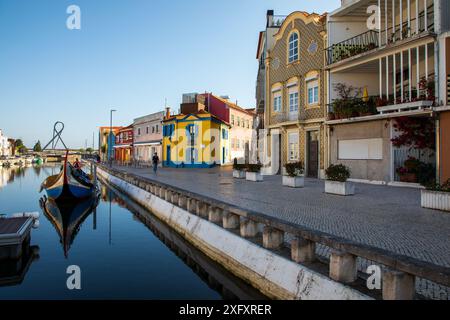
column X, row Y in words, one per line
column 68, row 185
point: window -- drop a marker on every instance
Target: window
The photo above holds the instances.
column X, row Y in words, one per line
column 232, row 119
column 139, row 131
column 153, row 129
column 238, row 121
column 360, row 149
column 237, row 144
column 147, row 130
column 293, row 146
column 277, row 102
column 232, row 143
column 248, row 124
column 224, row 134
column 293, row 47
column 157, row 128
column 293, row 100
column 313, row 92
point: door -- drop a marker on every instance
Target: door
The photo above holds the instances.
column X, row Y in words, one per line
column 168, row 155
column 223, row 155
column 313, row 154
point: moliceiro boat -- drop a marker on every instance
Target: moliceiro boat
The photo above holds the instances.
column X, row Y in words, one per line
column 70, row 184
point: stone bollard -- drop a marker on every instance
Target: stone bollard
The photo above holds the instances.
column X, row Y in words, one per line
column 272, row 238
column 215, row 215
column 202, row 209
column 168, row 195
column 398, row 285
column 182, row 202
column 343, row 266
column 249, row 228
column 192, row 205
column 303, row 250
column 174, row 199
column 162, row 192
column 230, row 220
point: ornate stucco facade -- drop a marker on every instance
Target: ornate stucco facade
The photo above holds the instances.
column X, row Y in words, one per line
column 296, row 94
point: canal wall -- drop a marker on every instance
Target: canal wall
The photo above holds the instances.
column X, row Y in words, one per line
column 267, row 270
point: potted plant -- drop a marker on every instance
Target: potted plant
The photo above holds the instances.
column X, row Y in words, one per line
column 254, row 173
column 436, row 196
column 238, row 170
column 294, row 177
column 336, row 183
column 408, row 173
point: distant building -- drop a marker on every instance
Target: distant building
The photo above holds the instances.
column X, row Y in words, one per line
column 5, row 146
column 123, row 149
column 107, row 139
column 148, row 137
column 195, row 138
column 241, row 121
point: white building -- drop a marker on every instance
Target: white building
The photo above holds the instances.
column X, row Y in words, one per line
column 5, row 148
column 148, row 137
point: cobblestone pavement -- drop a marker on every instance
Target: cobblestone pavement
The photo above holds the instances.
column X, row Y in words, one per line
column 386, row 217
column 381, row 216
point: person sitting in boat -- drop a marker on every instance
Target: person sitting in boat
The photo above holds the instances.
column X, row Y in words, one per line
column 77, row 164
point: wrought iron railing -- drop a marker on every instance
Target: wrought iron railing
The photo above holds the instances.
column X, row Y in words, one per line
column 351, row 47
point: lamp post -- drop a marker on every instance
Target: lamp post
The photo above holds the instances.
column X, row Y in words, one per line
column 110, row 136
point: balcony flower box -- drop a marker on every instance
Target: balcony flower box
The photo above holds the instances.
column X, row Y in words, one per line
column 294, row 177
column 437, row 200
column 239, row 174
column 336, row 183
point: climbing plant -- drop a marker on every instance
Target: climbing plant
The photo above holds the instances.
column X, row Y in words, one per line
column 415, row 132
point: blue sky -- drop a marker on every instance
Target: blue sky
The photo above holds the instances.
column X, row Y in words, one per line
column 129, row 54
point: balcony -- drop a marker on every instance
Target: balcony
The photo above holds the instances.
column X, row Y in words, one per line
column 387, row 36
column 283, row 117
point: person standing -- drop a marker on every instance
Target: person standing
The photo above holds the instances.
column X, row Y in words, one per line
column 155, row 161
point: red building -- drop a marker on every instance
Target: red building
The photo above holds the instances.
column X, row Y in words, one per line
column 123, row 149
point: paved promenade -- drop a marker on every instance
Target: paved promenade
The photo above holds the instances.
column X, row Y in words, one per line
column 381, row 216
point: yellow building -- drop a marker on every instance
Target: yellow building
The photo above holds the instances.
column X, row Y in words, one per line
column 195, row 138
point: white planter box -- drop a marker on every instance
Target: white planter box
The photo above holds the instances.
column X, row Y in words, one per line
column 238, row 174
column 254, row 176
column 340, row 188
column 435, row 200
column 294, row 182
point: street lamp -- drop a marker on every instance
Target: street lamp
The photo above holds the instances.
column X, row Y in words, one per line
column 110, row 136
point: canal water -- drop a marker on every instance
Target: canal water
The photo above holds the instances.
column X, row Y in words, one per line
column 123, row 252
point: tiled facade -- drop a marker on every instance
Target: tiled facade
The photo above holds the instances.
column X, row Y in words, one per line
column 299, row 123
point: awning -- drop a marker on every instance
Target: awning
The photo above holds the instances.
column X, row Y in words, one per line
column 151, row 143
column 122, row 146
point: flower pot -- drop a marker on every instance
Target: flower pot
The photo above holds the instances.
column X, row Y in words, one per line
column 294, row 182
column 435, row 200
column 238, row 174
column 254, row 176
column 340, row 188
column 408, row 177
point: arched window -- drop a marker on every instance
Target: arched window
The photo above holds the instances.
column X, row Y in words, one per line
column 293, row 47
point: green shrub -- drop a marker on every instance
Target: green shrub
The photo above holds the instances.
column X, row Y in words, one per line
column 337, row 172
column 440, row 187
column 254, row 167
column 237, row 166
column 294, row 169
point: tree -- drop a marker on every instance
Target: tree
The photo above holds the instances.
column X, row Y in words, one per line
column 20, row 146
column 89, row 150
column 37, row 147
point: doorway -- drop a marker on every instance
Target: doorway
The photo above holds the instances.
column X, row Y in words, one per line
column 313, row 154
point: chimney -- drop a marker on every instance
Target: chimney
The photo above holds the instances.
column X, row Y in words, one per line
column 269, row 18
column 167, row 112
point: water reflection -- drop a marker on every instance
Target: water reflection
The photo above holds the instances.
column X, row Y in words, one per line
column 68, row 217
column 13, row 272
column 218, row 278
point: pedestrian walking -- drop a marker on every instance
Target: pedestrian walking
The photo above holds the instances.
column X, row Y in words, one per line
column 155, row 161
